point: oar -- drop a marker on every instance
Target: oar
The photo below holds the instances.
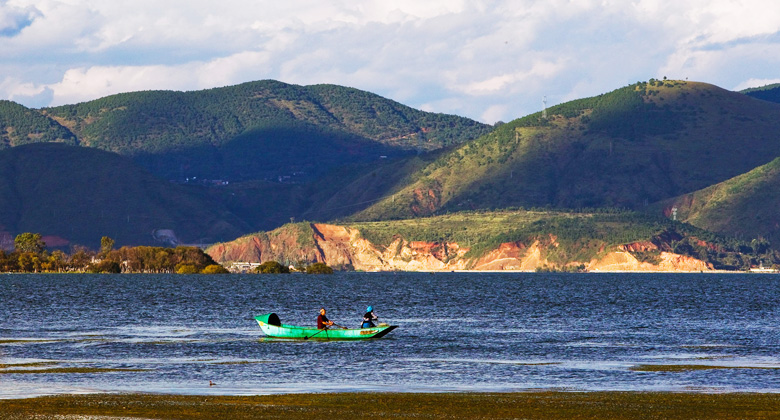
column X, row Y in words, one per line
column 306, row 338
column 344, row 328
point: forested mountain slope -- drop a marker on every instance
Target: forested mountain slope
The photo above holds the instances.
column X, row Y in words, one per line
column 769, row 93
column 268, row 150
column 746, row 206
column 21, row 125
column 258, row 130
column 80, row 194
column 324, row 152
column 628, row 148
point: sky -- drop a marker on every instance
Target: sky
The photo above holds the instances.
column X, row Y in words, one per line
column 487, row 60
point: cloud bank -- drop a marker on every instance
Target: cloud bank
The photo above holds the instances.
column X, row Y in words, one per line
column 488, row 60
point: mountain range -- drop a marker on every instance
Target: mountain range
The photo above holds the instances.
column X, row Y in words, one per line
column 259, row 153
column 212, row 165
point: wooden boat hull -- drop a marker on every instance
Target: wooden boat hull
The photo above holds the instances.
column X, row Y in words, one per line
column 272, row 327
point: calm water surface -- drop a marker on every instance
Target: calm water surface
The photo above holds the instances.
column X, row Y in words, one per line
column 457, row 332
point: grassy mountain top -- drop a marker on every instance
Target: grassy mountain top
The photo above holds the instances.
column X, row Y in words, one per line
column 81, row 194
column 744, row 206
column 627, row 148
column 215, row 116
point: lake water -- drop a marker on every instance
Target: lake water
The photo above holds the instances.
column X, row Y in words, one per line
column 457, row 332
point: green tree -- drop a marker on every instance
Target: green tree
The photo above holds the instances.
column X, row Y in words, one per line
column 319, row 268
column 106, row 246
column 105, row 266
column 80, row 258
column 186, row 269
column 8, row 262
column 214, row 269
column 55, row 262
column 29, row 242
column 26, row 262
column 272, row 267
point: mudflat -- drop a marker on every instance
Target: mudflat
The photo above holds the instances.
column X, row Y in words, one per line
column 525, row 405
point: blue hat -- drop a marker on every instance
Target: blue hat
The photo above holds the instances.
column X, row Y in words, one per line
column 369, row 309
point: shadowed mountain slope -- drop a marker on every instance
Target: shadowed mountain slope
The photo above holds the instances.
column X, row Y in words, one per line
column 258, row 130
column 267, row 150
column 769, row 93
column 81, row 194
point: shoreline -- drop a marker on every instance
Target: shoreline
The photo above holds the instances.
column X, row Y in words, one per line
column 529, row 405
column 447, row 271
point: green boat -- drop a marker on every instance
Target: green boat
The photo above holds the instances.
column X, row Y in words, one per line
column 273, row 327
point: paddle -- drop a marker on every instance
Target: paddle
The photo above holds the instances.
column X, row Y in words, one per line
column 306, row 338
column 343, row 328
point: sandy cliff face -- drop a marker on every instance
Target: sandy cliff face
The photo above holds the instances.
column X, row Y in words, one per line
column 624, row 261
column 340, row 246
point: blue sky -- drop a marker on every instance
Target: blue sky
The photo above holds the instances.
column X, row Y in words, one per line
column 488, row 60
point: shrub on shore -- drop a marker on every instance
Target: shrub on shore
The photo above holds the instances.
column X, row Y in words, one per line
column 319, row 268
column 186, row 269
column 272, row 267
column 214, row 269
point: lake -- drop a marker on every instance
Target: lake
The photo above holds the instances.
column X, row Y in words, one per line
column 457, row 332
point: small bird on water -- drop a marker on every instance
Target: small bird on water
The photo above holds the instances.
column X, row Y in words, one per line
column 211, row 383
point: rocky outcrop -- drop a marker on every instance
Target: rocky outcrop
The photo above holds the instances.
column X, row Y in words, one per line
column 624, row 261
column 344, row 247
column 512, row 256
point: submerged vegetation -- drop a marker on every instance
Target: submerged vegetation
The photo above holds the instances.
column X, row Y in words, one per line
column 536, row 405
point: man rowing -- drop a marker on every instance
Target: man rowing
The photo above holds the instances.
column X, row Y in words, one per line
column 322, row 320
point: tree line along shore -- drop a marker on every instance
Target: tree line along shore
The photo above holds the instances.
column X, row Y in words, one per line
column 30, row 255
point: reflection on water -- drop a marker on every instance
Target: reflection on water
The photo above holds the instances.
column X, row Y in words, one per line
column 457, row 332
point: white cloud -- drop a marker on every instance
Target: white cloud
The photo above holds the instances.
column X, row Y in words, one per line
column 82, row 84
column 483, row 59
column 494, row 113
column 538, row 71
column 13, row 19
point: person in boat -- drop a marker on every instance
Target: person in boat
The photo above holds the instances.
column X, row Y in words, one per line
column 322, row 320
column 369, row 318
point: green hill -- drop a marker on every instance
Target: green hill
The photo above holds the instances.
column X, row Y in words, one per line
column 81, row 194
column 324, row 152
column 628, row 148
column 20, row 125
column 769, row 93
column 273, row 150
column 258, row 130
column 745, row 206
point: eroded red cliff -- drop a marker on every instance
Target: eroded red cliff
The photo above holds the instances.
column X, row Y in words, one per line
column 344, row 247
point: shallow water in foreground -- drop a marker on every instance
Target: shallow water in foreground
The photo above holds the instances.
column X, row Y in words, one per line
column 457, row 332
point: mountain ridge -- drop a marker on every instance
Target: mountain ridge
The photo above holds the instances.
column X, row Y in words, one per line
column 333, row 153
column 620, row 149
